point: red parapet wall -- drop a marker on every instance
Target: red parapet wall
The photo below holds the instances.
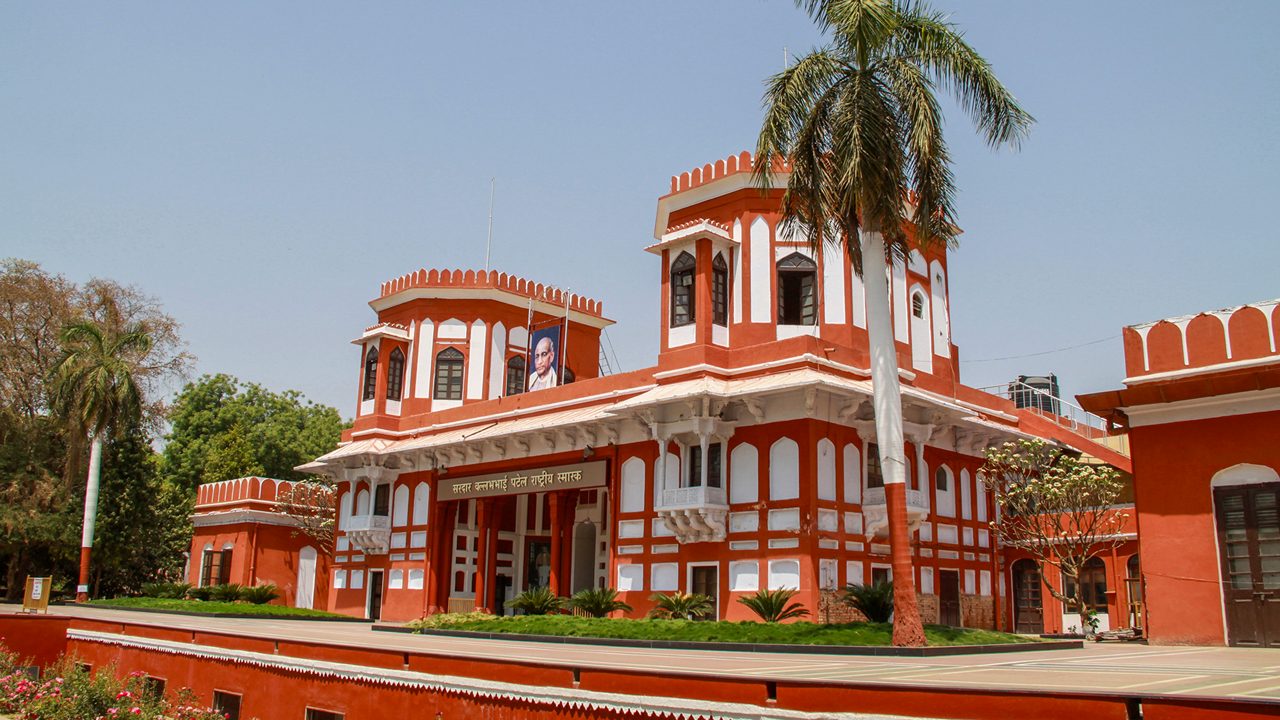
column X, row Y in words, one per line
column 39, row 639
column 475, row 279
column 281, row 679
column 1232, row 335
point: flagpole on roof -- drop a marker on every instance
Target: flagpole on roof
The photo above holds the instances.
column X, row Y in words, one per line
column 489, row 241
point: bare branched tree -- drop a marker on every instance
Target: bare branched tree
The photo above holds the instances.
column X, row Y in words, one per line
column 311, row 504
column 1060, row 511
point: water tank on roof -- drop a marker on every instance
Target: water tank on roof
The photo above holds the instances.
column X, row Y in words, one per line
column 1036, row 391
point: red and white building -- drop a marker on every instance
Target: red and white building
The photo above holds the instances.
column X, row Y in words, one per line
column 744, row 459
column 240, row 537
column 1201, row 404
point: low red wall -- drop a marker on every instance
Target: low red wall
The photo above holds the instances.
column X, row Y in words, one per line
column 272, row 693
column 38, row 638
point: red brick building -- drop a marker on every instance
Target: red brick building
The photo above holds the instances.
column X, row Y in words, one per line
column 1201, row 403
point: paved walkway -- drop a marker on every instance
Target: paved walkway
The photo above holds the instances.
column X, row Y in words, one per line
column 1106, row 668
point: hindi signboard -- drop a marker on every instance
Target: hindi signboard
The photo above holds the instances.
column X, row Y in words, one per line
column 516, row 482
column 36, row 598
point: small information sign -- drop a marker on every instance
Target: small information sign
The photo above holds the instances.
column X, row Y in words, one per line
column 36, row 598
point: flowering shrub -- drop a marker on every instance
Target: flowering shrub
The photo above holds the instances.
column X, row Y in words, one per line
column 69, row 692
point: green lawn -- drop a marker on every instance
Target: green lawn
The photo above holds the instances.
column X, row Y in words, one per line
column 212, row 607
column 801, row 633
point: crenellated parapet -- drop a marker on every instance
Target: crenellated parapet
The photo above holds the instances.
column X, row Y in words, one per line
column 1212, row 339
column 732, row 165
column 491, row 279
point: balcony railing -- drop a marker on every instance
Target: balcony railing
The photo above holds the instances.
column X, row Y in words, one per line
column 370, row 533
column 694, row 514
column 915, row 499
column 686, row 497
column 875, row 511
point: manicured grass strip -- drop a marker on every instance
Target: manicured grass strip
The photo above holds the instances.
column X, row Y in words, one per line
column 801, row 633
column 211, row 607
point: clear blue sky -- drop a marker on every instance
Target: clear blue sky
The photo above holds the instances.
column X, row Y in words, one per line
column 261, row 167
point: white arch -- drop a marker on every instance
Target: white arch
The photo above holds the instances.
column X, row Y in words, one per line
column 344, row 510
column 784, row 470
column 304, row 597
column 921, row 330
column 400, row 506
column 420, row 503
column 852, row 474
column 362, row 503
column 631, row 498
column 946, row 499
column 966, row 500
column 826, row 470
column 744, row 474
column 1244, row 474
column 760, row 271
column 915, row 262
column 941, row 320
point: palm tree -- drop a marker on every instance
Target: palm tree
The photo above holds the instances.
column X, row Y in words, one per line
column 96, row 387
column 857, row 125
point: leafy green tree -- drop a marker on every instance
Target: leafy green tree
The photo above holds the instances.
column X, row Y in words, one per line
column 96, row 390
column 858, row 129
column 1060, row 511
column 44, row 428
column 222, row 428
column 144, row 525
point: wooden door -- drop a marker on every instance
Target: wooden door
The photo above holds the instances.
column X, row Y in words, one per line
column 1028, row 603
column 949, row 597
column 706, row 581
column 1249, row 547
column 375, row 595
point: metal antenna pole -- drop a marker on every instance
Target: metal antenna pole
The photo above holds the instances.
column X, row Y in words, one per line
column 489, row 241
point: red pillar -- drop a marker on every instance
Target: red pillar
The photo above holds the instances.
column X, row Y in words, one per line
column 566, row 543
column 443, row 554
column 556, row 544
column 483, row 521
column 491, row 559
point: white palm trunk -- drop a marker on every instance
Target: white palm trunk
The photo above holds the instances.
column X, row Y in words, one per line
column 887, row 400
column 90, row 515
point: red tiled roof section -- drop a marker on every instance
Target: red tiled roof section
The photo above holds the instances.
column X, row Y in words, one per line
column 436, row 278
column 721, row 168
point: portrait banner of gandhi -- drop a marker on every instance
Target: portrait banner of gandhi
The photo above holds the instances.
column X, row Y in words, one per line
column 545, row 351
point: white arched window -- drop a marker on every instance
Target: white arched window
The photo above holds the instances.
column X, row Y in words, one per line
column 852, row 474
column 420, row 503
column 344, row 510
column 784, row 470
column 921, row 331
column 944, row 489
column 744, row 474
column 632, row 496
column 400, row 506
column 362, row 503
column 826, row 470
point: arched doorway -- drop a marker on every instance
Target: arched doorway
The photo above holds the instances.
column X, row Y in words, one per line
column 1246, row 501
column 584, row 556
column 1028, row 605
column 306, row 585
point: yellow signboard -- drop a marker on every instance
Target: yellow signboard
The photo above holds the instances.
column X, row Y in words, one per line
column 36, row 598
column 558, row 477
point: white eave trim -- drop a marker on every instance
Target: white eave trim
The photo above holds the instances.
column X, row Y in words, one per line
column 233, row 517
column 382, row 331
column 1189, row 372
column 506, row 415
column 682, row 199
column 703, row 229
column 497, row 294
column 1246, row 403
